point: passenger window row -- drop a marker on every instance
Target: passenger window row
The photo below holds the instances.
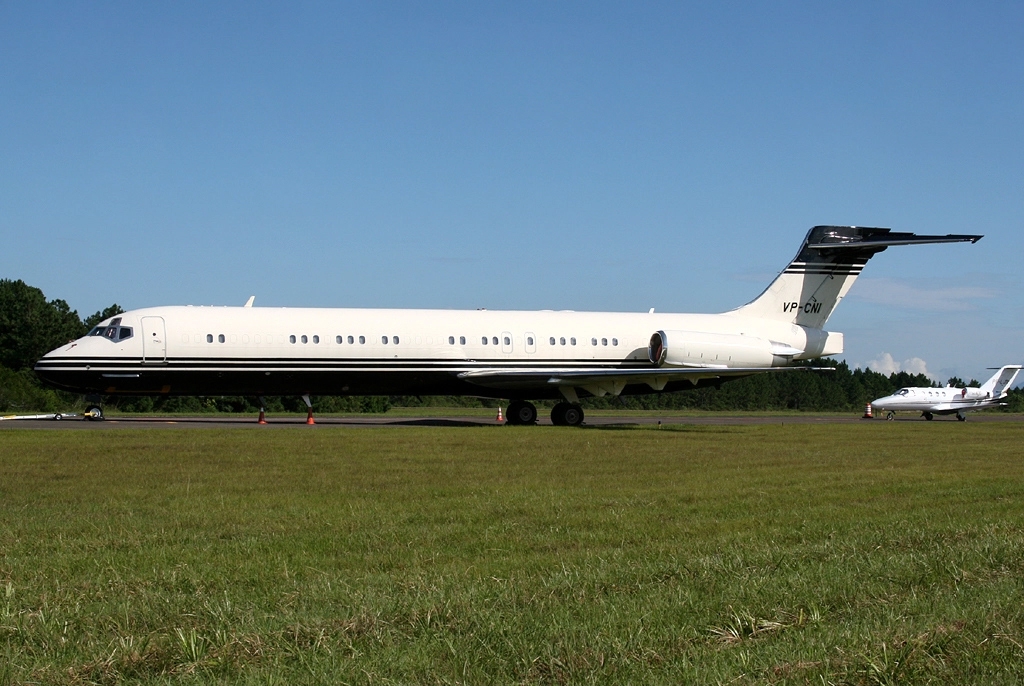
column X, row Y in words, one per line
column 116, row 332
column 572, row 341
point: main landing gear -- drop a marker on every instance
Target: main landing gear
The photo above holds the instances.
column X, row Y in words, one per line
column 928, row 415
column 567, row 414
column 521, row 413
column 960, row 417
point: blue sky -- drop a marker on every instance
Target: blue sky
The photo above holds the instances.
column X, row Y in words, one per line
column 588, row 156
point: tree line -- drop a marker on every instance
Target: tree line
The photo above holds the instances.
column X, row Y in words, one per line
column 31, row 326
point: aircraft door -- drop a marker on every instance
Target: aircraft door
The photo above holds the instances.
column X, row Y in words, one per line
column 154, row 340
column 506, row 342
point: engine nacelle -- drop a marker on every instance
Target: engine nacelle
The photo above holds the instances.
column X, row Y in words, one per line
column 699, row 349
column 974, row 394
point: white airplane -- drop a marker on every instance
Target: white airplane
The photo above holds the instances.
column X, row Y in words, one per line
column 522, row 356
column 932, row 401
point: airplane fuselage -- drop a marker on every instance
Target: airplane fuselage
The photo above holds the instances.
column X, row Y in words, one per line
column 272, row 351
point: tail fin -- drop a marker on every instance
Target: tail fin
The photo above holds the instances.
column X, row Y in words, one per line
column 1001, row 380
column 829, row 261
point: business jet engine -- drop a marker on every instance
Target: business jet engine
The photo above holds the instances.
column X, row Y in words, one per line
column 701, row 349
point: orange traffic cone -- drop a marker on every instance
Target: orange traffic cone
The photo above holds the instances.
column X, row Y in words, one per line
column 309, row 416
column 499, row 417
column 867, row 412
column 263, row 417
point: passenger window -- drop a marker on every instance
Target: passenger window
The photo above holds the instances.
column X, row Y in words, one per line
column 316, row 339
column 562, row 340
column 494, row 340
column 220, row 338
column 615, row 341
column 529, row 340
column 291, row 339
column 462, row 340
column 384, row 340
column 508, row 341
column 604, row 341
column 451, row 340
column 394, row 339
column 362, row 340
column 593, row 341
column 572, row 341
column 552, row 340
column 304, row 339
column 338, row 339
column 209, row 338
column 483, row 340
column 352, row 340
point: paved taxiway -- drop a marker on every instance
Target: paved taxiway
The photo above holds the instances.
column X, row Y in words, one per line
column 370, row 421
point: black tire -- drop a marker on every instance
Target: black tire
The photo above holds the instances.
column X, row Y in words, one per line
column 521, row 413
column 58, row 417
column 961, row 417
column 890, row 416
column 573, row 415
column 558, row 414
column 929, row 416
column 95, row 413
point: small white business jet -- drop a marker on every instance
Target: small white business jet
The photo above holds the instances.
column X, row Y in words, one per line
column 522, row 356
column 932, row 401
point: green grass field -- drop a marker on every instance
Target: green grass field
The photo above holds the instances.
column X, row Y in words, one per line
column 880, row 552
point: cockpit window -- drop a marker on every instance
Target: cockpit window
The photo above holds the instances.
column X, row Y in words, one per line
column 902, row 391
column 112, row 331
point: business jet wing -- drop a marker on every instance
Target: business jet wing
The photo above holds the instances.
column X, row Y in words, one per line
column 600, row 381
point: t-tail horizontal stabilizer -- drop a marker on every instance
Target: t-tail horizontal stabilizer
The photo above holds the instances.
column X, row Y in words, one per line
column 829, row 261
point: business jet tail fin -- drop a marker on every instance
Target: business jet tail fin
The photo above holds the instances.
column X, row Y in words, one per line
column 819, row 277
column 1002, row 380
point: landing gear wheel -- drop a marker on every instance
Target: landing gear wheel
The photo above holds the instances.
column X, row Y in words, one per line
column 890, row 416
column 94, row 413
column 521, row 413
column 567, row 414
column 961, row 417
column 58, row 417
column 928, row 415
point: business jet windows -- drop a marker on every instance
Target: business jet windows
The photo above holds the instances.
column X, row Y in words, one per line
column 561, row 340
column 462, row 340
column 551, row 341
column 362, row 340
column 529, row 340
column 220, row 338
column 304, row 339
column 316, row 340
column 604, row 341
column 507, row 340
column 572, row 341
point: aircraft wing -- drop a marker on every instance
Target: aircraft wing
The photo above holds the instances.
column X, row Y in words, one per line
column 602, row 380
column 953, row 408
